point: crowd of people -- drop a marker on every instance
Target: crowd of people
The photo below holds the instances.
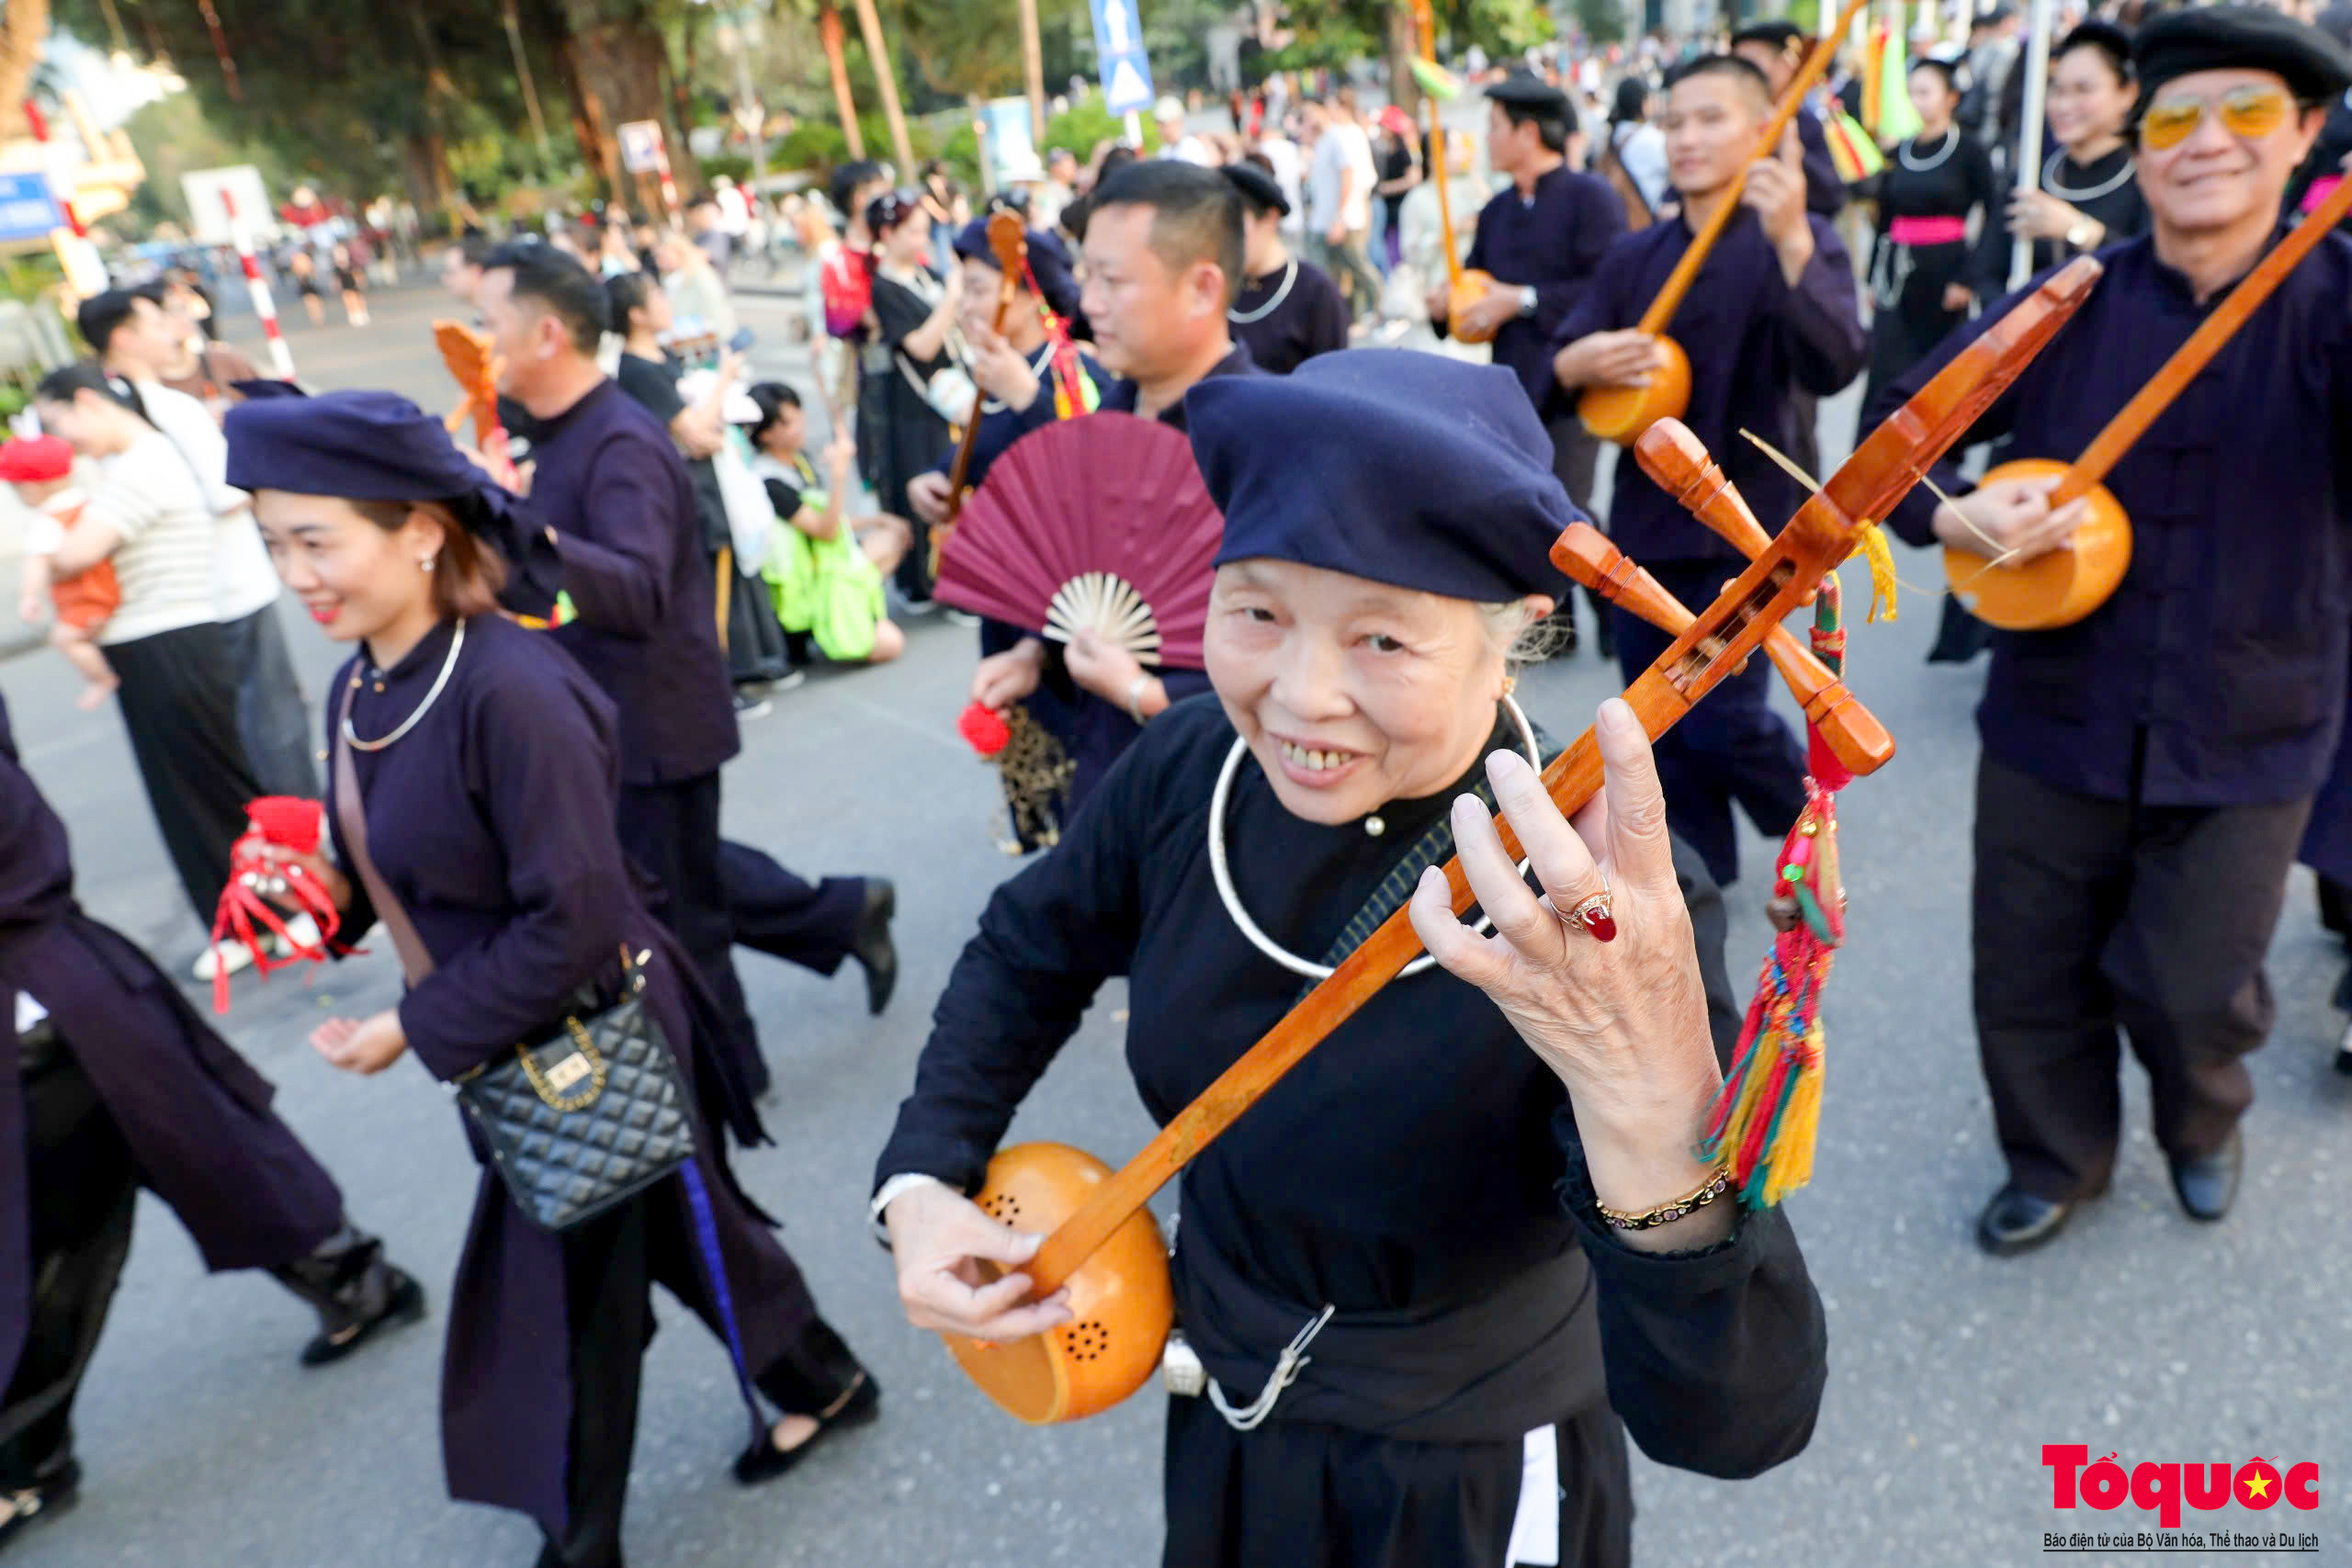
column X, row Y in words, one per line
column 553, row 645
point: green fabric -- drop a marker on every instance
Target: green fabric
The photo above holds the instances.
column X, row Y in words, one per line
column 826, row 588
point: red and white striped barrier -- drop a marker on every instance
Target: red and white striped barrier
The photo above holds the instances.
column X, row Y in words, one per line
column 282, row 358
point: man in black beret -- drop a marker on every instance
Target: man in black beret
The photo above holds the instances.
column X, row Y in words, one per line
column 1540, row 241
column 614, row 496
column 1289, row 310
column 1777, row 47
column 2148, row 769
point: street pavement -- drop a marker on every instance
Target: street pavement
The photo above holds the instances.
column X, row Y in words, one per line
column 2139, row 1332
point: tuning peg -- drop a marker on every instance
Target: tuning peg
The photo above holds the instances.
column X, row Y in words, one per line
column 1854, row 735
column 1677, row 461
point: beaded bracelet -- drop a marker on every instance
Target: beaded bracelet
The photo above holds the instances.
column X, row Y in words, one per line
column 1714, row 1187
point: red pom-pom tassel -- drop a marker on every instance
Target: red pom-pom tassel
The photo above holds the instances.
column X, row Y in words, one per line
column 985, row 729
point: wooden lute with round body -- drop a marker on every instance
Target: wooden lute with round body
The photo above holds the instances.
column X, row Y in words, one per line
column 1465, row 286
column 1010, row 243
column 1104, row 1245
column 2061, row 587
column 1622, row 414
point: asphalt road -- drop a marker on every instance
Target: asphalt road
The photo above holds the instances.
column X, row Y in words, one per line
column 2139, row 1333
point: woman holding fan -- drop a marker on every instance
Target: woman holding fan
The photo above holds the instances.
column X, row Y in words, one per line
column 1461, row 1217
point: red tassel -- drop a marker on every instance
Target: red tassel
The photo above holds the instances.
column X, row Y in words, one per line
column 244, row 914
column 985, row 729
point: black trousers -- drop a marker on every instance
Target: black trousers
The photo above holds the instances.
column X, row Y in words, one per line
column 778, row 914
column 1731, row 748
column 179, row 699
column 85, row 1186
column 610, row 1265
column 273, row 716
column 671, row 832
column 1311, row 1496
column 2093, row 916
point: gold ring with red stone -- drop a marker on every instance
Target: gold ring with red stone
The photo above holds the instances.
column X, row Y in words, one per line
column 1593, row 916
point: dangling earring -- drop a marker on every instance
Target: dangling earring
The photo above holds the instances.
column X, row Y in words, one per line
column 1510, row 684
column 427, row 564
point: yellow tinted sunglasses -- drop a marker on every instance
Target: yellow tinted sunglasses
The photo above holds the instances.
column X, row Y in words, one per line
column 2251, row 112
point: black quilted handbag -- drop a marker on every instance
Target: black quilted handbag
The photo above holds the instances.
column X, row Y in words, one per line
column 586, row 1118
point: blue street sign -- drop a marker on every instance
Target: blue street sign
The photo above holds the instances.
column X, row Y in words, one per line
column 28, row 211
column 1118, row 47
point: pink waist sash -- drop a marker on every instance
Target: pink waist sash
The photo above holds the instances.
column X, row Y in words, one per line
column 1927, row 231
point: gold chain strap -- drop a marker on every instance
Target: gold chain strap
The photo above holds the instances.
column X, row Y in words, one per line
column 596, row 1072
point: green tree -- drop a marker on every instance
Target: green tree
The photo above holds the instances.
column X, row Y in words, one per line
column 1603, row 21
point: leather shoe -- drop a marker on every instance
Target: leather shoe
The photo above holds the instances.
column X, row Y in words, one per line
column 2017, row 1221
column 872, row 948
column 57, row 1489
column 765, row 1462
column 2207, row 1184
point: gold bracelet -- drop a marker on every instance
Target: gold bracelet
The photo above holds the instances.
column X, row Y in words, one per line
column 1714, row 1187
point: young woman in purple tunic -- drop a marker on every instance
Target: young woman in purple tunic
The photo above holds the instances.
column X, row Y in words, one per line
column 483, row 758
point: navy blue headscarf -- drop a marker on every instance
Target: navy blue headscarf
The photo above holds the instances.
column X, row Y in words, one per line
column 1407, row 469
column 1056, row 282
column 380, row 447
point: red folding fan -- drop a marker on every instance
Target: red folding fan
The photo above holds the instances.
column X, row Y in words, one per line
column 1098, row 522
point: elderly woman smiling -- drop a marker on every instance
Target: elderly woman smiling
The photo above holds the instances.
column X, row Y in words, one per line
column 1452, row 1177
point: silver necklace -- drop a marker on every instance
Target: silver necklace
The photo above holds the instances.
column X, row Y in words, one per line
column 2070, row 196
column 1290, row 275
column 1223, row 874
column 1950, row 143
column 457, row 644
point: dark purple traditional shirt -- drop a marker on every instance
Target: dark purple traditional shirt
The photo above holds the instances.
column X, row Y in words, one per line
column 1552, row 241
column 611, row 485
column 2215, row 675
column 492, row 822
column 1754, row 342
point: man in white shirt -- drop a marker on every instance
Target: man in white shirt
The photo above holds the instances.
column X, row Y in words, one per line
column 137, row 340
column 1290, row 167
column 1340, row 179
column 1175, row 142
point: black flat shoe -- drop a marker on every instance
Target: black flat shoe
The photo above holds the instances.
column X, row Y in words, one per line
column 404, row 1303
column 53, row 1494
column 765, row 1462
column 2206, row 1185
column 2344, row 1054
column 2017, row 1221
column 872, row 948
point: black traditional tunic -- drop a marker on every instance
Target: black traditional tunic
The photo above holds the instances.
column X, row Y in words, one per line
column 1289, row 316
column 1930, row 186
column 1421, row 1173
column 492, row 821
column 196, row 1117
column 1552, row 241
column 2105, row 189
column 900, row 434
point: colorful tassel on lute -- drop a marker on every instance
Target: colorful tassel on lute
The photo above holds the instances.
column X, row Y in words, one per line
column 1766, row 1120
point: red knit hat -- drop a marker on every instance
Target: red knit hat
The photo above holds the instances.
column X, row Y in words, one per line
column 31, row 458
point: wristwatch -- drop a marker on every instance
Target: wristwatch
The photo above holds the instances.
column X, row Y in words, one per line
column 1527, row 300
column 2082, row 233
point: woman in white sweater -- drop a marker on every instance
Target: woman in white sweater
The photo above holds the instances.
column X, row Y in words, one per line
column 149, row 516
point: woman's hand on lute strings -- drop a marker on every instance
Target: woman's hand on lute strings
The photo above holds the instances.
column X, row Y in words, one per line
column 1623, row 1024
column 952, row 1260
